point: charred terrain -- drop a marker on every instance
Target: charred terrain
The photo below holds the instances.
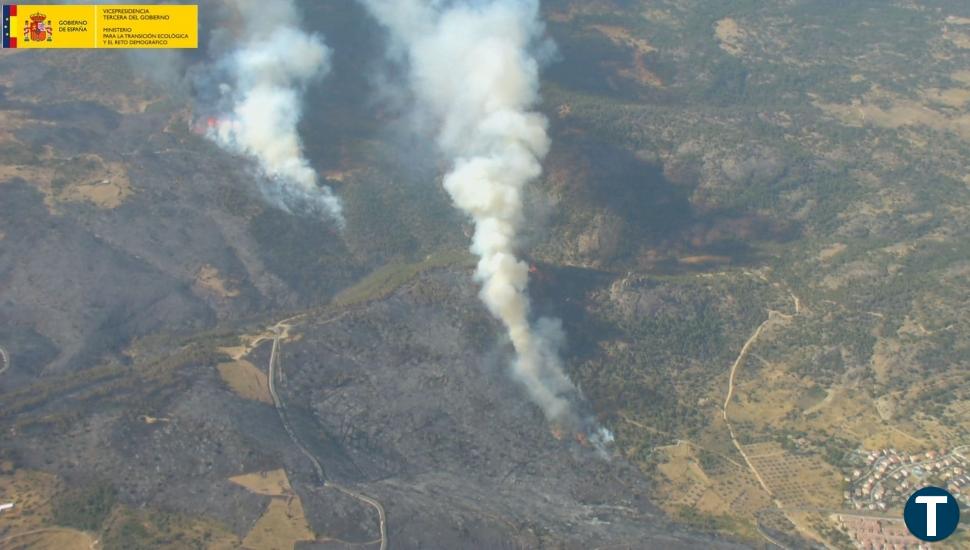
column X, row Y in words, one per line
column 753, row 224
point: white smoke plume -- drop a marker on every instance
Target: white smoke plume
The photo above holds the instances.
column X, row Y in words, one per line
column 266, row 71
column 472, row 70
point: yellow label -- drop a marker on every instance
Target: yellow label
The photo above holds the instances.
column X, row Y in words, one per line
column 162, row 26
column 105, row 26
column 53, row 26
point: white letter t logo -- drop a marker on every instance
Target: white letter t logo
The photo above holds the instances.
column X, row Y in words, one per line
column 931, row 503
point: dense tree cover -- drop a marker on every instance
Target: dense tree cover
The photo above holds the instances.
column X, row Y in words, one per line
column 84, row 507
column 670, row 360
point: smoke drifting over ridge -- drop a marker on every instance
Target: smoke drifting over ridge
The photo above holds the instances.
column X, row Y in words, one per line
column 261, row 80
column 472, row 70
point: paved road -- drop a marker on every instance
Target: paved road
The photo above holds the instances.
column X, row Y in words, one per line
column 281, row 408
column 382, row 517
column 275, row 369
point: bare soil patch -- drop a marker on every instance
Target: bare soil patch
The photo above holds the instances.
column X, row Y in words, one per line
column 209, row 279
column 247, row 381
column 731, row 36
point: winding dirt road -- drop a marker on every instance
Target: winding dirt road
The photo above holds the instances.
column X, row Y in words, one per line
column 742, row 355
column 6, row 360
column 730, row 393
column 276, row 369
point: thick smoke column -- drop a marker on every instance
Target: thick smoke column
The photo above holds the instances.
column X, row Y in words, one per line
column 471, row 68
column 268, row 70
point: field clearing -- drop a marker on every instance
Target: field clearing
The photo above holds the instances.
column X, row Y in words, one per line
column 960, row 40
column 53, row 538
column 832, row 251
column 165, row 531
column 961, row 76
column 727, row 490
column 956, row 98
column 107, row 194
column 107, row 187
column 84, row 178
column 622, row 36
column 90, row 178
column 284, row 522
column 884, row 110
column 209, row 279
column 246, row 380
column 730, row 35
column 281, row 526
column 31, row 492
column 273, row 483
column 765, row 397
column 855, row 415
column 796, row 480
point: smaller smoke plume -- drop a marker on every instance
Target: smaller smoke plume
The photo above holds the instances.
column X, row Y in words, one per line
column 264, row 76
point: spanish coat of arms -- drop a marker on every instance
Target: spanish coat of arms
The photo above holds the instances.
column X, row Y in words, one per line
column 38, row 29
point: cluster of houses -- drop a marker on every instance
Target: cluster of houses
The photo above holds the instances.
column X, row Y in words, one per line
column 884, row 479
column 878, row 534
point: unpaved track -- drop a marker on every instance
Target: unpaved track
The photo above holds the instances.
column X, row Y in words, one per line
column 6, row 360
column 275, row 369
column 730, row 393
column 742, row 355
